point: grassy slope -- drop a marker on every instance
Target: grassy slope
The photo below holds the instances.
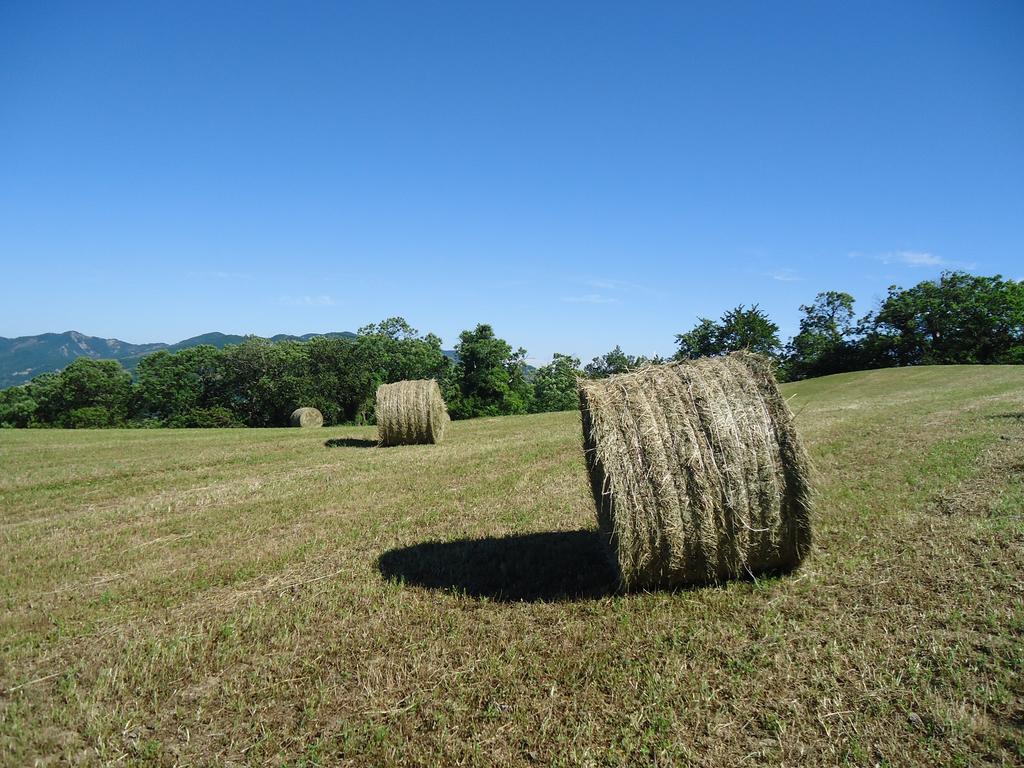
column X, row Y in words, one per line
column 217, row 596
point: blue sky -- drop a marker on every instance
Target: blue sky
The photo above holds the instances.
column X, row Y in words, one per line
column 577, row 175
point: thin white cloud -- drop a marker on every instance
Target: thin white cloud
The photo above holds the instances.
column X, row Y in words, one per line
column 602, row 286
column 590, row 298
column 916, row 259
column 782, row 274
column 913, row 259
column 307, row 301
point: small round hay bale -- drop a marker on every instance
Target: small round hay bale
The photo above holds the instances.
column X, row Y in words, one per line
column 697, row 472
column 410, row 413
column 307, row 417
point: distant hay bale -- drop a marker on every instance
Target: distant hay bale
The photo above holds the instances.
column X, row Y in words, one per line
column 410, row 412
column 697, row 471
column 307, row 417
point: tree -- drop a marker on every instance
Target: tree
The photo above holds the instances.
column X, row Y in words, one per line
column 740, row 328
column 749, row 329
column 520, row 397
column 205, row 418
column 491, row 379
column 329, row 361
column 44, row 391
column 391, row 351
column 825, row 343
column 90, row 417
column 393, row 328
column 265, row 381
column 17, row 407
column 171, row 385
column 102, row 386
column 554, row 385
column 959, row 318
column 616, row 361
column 702, row 341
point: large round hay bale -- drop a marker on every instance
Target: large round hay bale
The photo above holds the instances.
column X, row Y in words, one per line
column 697, row 471
column 410, row 412
column 307, row 417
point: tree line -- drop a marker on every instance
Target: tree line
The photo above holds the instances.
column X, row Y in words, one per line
column 958, row 318
column 258, row 383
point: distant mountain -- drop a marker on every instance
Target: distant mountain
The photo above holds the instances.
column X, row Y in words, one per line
column 221, row 340
column 25, row 357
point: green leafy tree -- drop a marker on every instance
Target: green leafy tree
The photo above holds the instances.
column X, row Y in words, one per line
column 405, row 354
column 959, row 318
column 329, row 364
column 365, row 369
column 749, row 329
column 554, row 385
column 825, row 343
column 615, row 362
column 172, row 385
column 395, row 328
column 17, row 407
column 206, row 418
column 491, row 377
column 101, row 385
column 703, row 340
column 387, row 352
column 265, row 381
column 44, row 390
column 520, row 398
column 740, row 328
column 451, row 389
column 90, row 417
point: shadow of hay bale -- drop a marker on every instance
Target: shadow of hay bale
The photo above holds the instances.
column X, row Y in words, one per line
column 552, row 566
column 350, row 442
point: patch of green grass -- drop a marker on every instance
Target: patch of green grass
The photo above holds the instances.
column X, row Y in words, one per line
column 259, row 597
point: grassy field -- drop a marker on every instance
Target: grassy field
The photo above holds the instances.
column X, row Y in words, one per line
column 299, row 597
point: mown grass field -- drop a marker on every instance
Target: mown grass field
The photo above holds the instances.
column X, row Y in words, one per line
column 260, row 597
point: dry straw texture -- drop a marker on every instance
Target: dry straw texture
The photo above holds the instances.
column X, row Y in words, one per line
column 697, row 471
column 307, row 417
column 410, row 412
